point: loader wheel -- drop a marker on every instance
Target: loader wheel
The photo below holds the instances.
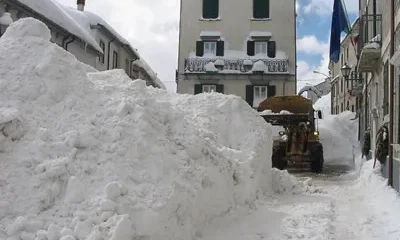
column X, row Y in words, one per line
column 317, row 158
column 278, row 157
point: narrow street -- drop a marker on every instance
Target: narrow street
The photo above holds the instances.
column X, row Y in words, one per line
column 339, row 211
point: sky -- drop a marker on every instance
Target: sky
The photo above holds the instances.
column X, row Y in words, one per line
column 153, row 28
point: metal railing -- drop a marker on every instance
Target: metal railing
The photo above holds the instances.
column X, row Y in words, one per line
column 370, row 30
column 273, row 66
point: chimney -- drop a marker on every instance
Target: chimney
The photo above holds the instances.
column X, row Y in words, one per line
column 81, row 5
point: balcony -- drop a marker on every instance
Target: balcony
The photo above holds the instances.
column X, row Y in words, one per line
column 370, row 42
column 236, row 66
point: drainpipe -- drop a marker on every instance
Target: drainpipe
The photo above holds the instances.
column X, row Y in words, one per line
column 70, row 41
column 108, row 53
column 391, row 96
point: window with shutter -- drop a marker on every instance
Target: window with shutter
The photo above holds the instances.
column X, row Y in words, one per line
column 210, row 9
column 103, row 47
column 260, row 9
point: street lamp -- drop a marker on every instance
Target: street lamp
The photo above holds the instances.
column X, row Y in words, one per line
column 317, row 72
column 346, row 69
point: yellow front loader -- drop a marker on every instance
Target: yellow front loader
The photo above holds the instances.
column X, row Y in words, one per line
column 298, row 146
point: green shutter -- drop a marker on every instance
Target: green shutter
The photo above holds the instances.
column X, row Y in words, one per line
column 220, row 88
column 199, row 48
column 250, row 48
column 260, row 8
column 271, row 91
column 220, row 48
column 198, row 88
column 250, row 94
column 210, row 9
column 271, row 49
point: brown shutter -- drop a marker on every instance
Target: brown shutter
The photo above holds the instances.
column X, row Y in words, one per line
column 271, row 49
column 199, row 48
column 220, row 48
column 250, row 48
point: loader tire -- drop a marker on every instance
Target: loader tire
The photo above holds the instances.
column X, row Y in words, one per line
column 278, row 158
column 317, row 158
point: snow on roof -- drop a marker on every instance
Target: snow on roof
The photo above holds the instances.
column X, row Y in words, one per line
column 55, row 13
column 86, row 19
column 210, row 34
column 144, row 65
column 260, row 34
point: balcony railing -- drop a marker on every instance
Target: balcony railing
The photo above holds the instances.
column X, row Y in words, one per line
column 198, row 65
column 370, row 42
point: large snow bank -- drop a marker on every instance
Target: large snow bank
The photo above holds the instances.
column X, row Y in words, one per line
column 94, row 155
column 379, row 216
column 338, row 134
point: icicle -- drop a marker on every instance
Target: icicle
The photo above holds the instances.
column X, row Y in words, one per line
column 86, row 44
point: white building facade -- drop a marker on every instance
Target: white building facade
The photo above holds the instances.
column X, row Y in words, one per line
column 245, row 48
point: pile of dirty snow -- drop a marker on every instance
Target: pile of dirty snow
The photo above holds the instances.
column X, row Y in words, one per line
column 95, row 155
column 338, row 134
column 284, row 182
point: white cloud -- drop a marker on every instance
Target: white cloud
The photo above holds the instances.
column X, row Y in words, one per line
column 325, row 7
column 310, row 44
column 150, row 26
column 305, row 73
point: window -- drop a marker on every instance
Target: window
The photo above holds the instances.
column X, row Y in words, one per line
column 127, row 67
column 103, row 47
column 210, row 48
column 260, row 94
column 115, row 59
column 260, row 47
column 210, row 9
column 209, row 88
column 260, row 9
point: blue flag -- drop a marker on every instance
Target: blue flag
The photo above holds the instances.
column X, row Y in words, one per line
column 340, row 23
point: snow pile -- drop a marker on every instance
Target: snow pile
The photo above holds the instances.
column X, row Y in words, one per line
column 338, row 135
column 210, row 67
column 259, row 66
column 284, row 182
column 269, row 112
column 93, row 155
column 324, row 104
column 381, row 205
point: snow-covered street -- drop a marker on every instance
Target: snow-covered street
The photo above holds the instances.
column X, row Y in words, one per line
column 350, row 206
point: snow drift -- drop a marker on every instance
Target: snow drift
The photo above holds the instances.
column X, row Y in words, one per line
column 338, row 134
column 95, row 155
